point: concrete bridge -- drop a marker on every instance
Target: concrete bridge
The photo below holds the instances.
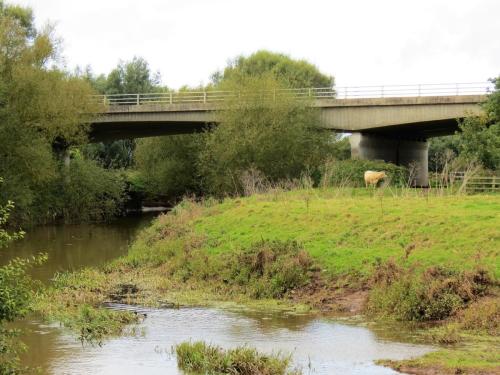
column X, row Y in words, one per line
column 390, row 123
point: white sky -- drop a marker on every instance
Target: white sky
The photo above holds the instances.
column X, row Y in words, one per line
column 360, row 42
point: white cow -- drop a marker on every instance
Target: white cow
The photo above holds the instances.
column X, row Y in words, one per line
column 373, row 177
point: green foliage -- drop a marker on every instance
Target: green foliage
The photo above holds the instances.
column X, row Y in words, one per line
column 351, row 172
column 132, row 77
column 289, row 72
column 10, row 348
column 340, row 148
column 111, row 155
column 85, row 192
column 129, row 77
column 16, row 293
column 492, row 105
column 201, row 358
column 43, row 109
column 16, row 287
column 436, row 294
column 23, row 16
column 5, row 236
column 439, row 150
column 168, row 165
column 94, row 324
column 274, row 134
column 480, row 141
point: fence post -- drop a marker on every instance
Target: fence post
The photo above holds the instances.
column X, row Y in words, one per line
column 310, row 93
column 137, row 99
column 204, row 96
column 171, row 98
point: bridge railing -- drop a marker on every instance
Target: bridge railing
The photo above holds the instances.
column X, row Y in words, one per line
column 348, row 92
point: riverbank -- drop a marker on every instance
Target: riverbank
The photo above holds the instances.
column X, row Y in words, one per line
column 328, row 250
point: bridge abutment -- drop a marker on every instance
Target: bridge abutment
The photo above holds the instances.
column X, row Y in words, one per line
column 409, row 153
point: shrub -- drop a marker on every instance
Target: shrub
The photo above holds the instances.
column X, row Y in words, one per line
column 483, row 315
column 16, row 293
column 436, row 294
column 86, row 192
column 168, row 165
column 202, row 358
column 269, row 269
column 94, row 324
column 351, row 172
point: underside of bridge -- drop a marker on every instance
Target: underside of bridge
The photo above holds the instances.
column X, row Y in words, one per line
column 410, row 153
column 112, row 131
column 404, row 144
column 391, row 129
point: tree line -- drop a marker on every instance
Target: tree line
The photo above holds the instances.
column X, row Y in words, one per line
column 45, row 117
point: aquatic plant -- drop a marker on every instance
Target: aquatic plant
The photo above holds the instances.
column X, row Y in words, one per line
column 202, row 358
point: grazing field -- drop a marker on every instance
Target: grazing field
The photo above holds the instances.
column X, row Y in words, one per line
column 346, row 233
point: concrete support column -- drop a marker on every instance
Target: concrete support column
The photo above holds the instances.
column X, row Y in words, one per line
column 397, row 151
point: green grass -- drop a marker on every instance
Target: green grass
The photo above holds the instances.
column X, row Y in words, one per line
column 204, row 359
column 347, row 234
column 478, row 355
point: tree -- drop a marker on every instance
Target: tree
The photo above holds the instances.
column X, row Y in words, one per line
column 478, row 138
column 441, row 149
column 42, row 109
column 129, row 77
column 168, row 165
column 274, row 134
column 132, row 77
column 289, row 72
column 480, row 135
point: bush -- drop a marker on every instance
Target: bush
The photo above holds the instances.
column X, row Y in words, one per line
column 94, row 324
column 16, row 287
column 16, row 293
column 351, row 172
column 483, row 315
column 269, row 269
column 85, row 192
column 202, row 358
column 436, row 294
column 168, row 165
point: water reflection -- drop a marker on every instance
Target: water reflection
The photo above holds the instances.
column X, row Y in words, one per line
column 319, row 346
column 71, row 247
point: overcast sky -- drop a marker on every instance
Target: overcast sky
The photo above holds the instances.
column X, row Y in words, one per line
column 360, row 42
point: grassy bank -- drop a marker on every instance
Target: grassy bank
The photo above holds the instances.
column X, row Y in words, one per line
column 403, row 255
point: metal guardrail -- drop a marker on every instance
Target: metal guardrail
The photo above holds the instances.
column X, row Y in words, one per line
column 351, row 92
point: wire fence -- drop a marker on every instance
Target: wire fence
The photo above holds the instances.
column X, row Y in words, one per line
column 318, row 93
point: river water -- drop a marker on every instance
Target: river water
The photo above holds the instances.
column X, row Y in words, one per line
column 319, row 345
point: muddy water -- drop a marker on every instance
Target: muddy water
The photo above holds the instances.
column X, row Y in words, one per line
column 319, row 345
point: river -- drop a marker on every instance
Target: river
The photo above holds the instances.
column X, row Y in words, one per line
column 319, row 345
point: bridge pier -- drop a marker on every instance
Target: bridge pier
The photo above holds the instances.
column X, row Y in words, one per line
column 397, row 151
